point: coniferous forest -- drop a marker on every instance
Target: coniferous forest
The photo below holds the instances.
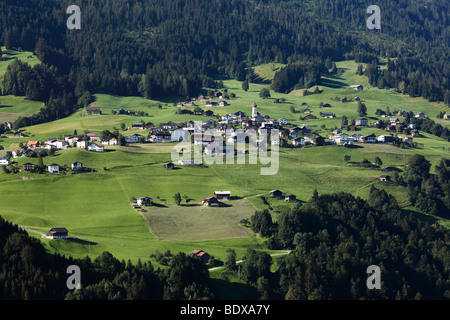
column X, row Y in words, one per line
column 175, row 47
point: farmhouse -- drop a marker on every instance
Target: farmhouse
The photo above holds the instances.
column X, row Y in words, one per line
column 33, row 144
column 132, row 138
column 419, row 115
column 77, row 165
column 386, row 139
column 96, row 147
column 222, row 195
column 57, row 233
column 17, row 153
column 327, row 115
column 144, row 201
column 4, row 161
column 356, row 87
column 201, row 254
column 298, row 142
column 93, row 136
column 28, row 167
column 81, row 144
column 209, row 113
column 371, row 138
column 19, row 135
column 210, row 202
column 309, row 117
column 163, row 136
column 276, row 193
column 93, row 111
column 186, row 112
column 385, row 178
column 53, row 168
column 169, row 165
column 290, row 198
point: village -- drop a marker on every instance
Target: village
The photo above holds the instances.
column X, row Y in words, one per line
column 224, row 126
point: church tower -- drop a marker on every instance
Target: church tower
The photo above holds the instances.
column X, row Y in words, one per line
column 254, row 111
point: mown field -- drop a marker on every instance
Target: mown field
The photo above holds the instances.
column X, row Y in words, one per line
column 96, row 207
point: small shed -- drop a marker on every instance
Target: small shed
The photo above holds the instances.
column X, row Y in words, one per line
column 385, row 178
column 201, row 254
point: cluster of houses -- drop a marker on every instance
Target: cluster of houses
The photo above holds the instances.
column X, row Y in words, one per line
column 278, row 194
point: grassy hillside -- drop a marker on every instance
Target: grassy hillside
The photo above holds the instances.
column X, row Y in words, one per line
column 96, row 207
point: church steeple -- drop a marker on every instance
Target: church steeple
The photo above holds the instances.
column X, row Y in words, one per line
column 254, row 111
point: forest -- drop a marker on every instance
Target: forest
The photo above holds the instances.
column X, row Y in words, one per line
column 166, row 48
column 28, row 272
column 335, row 238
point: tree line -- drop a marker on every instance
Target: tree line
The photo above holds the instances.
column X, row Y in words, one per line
column 334, row 238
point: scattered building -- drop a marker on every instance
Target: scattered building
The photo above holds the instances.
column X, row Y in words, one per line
column 58, row 233
column 53, row 168
column 290, row 198
column 210, row 202
column 357, row 87
column 201, row 254
column 145, row 202
column 28, row 167
column 276, row 193
column 222, row 195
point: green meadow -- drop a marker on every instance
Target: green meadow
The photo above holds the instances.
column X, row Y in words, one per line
column 96, row 207
column 12, row 107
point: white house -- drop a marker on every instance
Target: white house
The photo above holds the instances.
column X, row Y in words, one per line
column 4, row 162
column 77, row 165
column 81, row 144
column 341, row 138
column 61, row 144
column 178, row 135
column 17, row 153
column 53, row 168
column 96, row 147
